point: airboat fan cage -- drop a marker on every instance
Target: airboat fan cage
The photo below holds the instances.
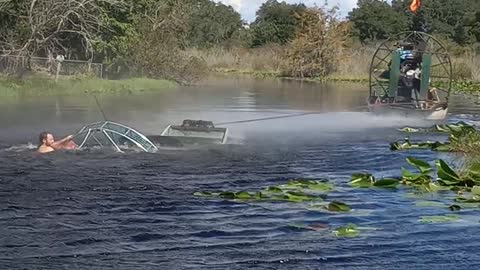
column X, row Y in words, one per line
column 102, row 134
column 415, row 46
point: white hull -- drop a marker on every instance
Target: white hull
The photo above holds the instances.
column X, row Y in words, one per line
column 383, row 109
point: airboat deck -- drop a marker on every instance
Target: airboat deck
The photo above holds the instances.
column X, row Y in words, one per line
column 192, row 132
column 410, row 76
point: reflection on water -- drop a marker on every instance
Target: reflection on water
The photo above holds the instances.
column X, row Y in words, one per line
column 100, row 209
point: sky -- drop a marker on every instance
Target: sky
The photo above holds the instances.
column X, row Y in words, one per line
column 247, row 8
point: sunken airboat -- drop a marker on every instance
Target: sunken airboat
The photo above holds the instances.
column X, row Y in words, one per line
column 411, row 76
column 122, row 138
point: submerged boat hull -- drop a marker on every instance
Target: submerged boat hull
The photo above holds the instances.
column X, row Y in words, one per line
column 437, row 114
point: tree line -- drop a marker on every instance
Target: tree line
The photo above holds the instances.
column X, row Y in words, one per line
column 151, row 37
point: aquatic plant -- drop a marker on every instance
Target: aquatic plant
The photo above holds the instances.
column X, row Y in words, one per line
column 337, row 206
column 296, row 190
column 439, row 219
column 407, row 145
column 366, row 180
column 462, row 138
column 351, row 230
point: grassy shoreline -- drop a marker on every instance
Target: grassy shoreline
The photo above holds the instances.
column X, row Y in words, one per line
column 458, row 86
column 36, row 86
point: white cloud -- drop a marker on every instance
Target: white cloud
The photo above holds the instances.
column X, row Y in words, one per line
column 247, row 8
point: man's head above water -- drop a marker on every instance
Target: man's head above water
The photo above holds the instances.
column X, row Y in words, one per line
column 45, row 138
column 47, row 143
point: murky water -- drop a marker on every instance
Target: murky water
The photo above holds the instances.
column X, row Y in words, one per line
column 91, row 210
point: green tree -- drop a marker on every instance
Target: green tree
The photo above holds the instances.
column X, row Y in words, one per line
column 212, row 24
column 375, row 19
column 454, row 19
column 275, row 22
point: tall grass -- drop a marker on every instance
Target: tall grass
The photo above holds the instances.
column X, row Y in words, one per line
column 266, row 59
column 353, row 64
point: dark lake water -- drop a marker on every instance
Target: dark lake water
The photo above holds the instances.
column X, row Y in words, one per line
column 107, row 210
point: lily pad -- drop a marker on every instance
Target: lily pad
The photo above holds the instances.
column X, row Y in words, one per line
column 337, row 206
column 421, row 165
column 313, row 185
column 362, row 180
column 429, row 204
column 446, row 175
column 243, row 195
column 351, row 230
column 386, row 183
column 292, row 196
column 439, row 219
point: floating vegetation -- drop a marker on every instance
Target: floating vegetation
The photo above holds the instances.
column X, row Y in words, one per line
column 473, row 198
column 299, row 190
column 366, row 180
column 455, row 128
column 407, row 145
column 313, row 185
column 439, row 219
column 337, row 206
column 351, row 230
column 462, row 138
column 429, row 204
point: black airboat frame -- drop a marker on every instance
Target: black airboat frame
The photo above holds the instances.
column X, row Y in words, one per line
column 380, row 88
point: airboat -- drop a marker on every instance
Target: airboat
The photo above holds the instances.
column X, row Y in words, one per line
column 122, row 138
column 411, row 76
column 192, row 132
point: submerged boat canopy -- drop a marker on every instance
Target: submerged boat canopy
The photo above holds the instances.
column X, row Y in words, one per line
column 103, row 134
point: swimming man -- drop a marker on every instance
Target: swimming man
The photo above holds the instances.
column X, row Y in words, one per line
column 46, row 143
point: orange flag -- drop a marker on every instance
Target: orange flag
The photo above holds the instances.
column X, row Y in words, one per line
column 415, row 5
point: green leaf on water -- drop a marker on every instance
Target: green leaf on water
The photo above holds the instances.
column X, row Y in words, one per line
column 446, row 174
column 351, row 230
column 299, row 197
column 433, row 187
column 307, row 185
column 243, row 195
column 362, row 180
column 227, row 195
column 439, row 219
column 429, row 204
column 386, row 183
column 337, row 206
column 421, row 165
column 205, row 194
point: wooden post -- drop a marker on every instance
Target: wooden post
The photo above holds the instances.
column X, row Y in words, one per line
column 59, row 59
column 59, row 66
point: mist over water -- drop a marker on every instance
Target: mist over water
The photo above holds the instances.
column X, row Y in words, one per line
column 97, row 209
